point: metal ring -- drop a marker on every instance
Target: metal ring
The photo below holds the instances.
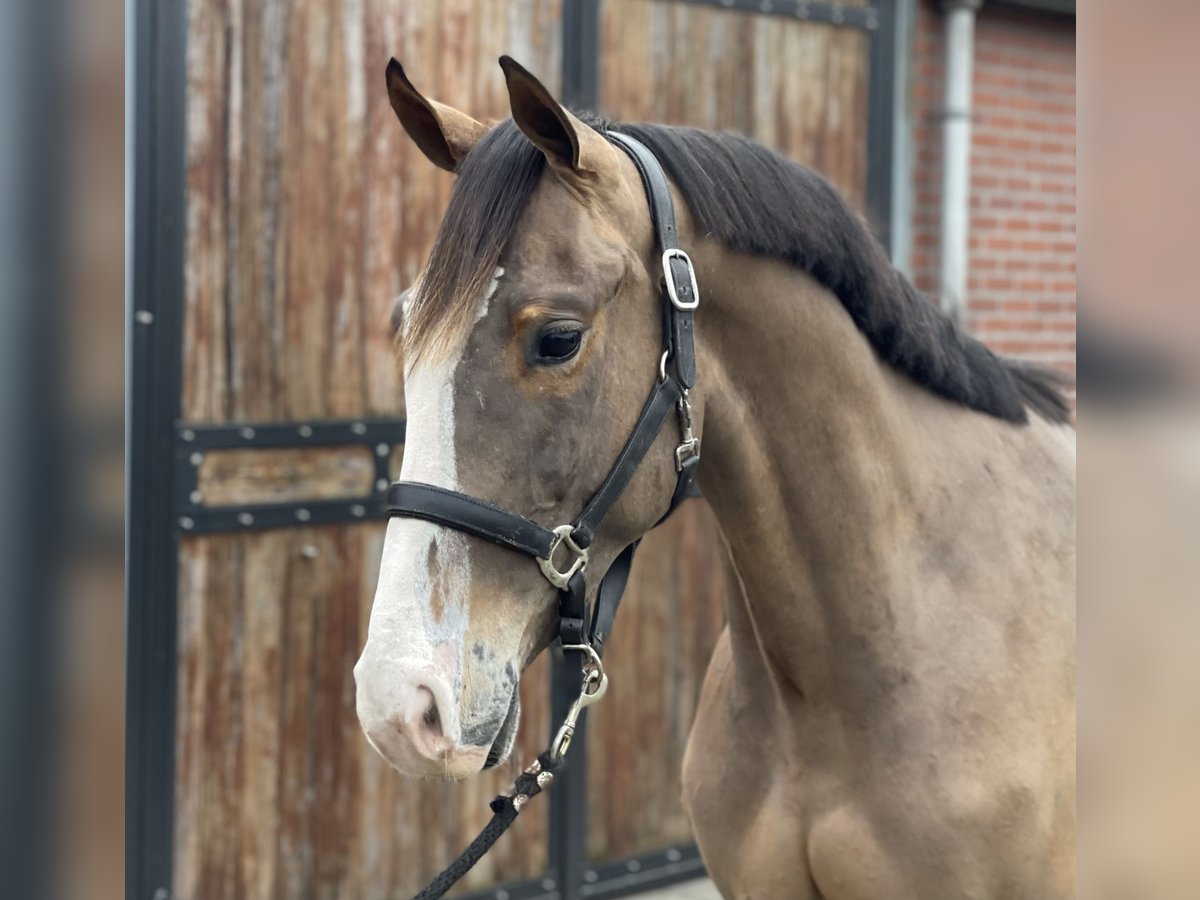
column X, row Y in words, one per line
column 595, row 674
column 563, row 535
column 593, row 656
column 662, row 367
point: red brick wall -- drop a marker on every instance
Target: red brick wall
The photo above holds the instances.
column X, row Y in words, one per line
column 1021, row 288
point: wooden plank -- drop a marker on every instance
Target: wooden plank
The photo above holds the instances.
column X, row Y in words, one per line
column 209, row 776
column 190, row 703
column 797, row 86
column 294, row 847
column 230, row 477
column 309, row 210
column 206, row 276
column 262, row 678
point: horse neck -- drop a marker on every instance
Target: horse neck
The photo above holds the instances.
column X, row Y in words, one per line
column 812, row 457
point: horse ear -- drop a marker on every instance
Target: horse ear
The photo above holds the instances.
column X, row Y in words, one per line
column 443, row 134
column 573, row 148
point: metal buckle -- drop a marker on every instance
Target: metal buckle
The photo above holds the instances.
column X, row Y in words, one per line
column 562, row 535
column 595, row 684
column 672, row 292
column 689, row 444
column 689, row 449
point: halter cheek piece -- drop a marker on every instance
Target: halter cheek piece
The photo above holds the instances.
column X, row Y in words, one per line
column 562, row 553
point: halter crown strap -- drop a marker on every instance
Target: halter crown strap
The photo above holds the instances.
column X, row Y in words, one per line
column 679, row 276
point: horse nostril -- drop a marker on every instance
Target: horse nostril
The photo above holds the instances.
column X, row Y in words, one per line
column 431, row 719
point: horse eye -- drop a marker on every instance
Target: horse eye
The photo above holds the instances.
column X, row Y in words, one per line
column 560, row 345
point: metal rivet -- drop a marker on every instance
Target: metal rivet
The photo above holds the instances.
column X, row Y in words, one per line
column 358, row 428
column 591, row 876
column 501, row 894
column 358, row 510
column 245, row 518
column 304, row 431
column 381, row 484
column 187, row 434
column 549, row 884
column 186, row 523
column 633, row 866
column 674, row 855
column 247, row 433
column 196, row 496
column 144, row 317
column 196, row 458
column 303, row 514
column 382, row 449
column 161, row 894
column 309, row 551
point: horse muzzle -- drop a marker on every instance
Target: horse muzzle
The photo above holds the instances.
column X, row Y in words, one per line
column 410, row 716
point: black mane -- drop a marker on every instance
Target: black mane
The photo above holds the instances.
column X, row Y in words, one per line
column 757, row 202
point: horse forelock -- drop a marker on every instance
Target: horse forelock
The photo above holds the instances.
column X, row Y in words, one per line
column 491, row 190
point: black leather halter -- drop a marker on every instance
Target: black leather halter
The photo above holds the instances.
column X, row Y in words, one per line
column 571, row 542
column 676, row 376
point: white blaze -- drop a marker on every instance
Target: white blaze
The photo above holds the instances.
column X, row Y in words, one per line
column 405, row 638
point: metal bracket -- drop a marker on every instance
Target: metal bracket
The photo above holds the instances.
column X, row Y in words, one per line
column 192, row 441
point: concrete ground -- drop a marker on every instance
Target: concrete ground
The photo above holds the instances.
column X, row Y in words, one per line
column 697, row 889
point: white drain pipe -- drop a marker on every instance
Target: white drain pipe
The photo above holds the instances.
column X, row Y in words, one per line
column 956, row 154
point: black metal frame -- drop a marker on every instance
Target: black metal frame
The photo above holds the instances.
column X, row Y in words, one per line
column 193, row 516
column 881, row 120
column 832, row 13
column 154, row 309
column 581, row 54
column 567, row 853
column 162, row 500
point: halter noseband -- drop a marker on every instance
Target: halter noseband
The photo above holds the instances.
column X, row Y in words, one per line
column 676, row 376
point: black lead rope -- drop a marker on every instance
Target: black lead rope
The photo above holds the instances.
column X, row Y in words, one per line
column 580, row 633
column 528, row 785
column 504, row 812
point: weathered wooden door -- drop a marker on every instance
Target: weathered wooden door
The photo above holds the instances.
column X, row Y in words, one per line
column 282, row 212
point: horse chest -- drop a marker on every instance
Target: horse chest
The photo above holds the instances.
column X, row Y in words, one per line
column 773, row 828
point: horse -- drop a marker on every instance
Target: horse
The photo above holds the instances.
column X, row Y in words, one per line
column 889, row 711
